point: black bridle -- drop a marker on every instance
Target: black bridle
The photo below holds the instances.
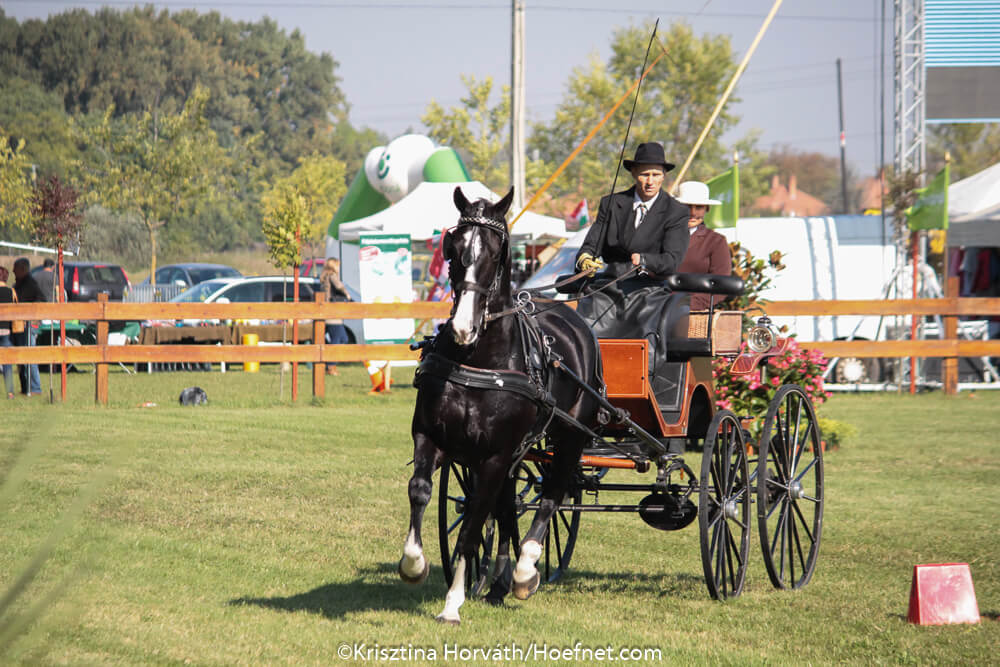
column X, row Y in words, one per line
column 467, row 259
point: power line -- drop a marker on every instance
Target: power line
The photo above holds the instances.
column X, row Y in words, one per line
column 245, row 4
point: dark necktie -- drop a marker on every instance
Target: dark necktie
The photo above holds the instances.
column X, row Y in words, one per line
column 640, row 213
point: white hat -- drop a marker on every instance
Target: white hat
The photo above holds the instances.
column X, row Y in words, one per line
column 695, row 192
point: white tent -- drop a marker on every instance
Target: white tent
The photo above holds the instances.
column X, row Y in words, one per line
column 431, row 207
column 974, row 209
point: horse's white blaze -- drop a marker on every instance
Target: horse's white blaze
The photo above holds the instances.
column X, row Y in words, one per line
column 413, row 556
column 531, row 551
column 456, row 594
column 462, row 324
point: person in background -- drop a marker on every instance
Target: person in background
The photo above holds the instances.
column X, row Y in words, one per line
column 708, row 251
column 336, row 332
column 46, row 279
column 27, row 292
column 6, row 296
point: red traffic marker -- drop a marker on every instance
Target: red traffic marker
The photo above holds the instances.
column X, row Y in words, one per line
column 942, row 594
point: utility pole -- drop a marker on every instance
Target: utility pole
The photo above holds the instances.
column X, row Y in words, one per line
column 517, row 104
column 843, row 142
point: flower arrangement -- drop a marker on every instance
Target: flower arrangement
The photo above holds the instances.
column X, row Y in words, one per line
column 749, row 395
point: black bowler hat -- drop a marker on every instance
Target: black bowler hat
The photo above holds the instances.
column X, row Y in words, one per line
column 649, row 153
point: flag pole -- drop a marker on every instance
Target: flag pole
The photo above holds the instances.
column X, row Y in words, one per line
column 725, row 95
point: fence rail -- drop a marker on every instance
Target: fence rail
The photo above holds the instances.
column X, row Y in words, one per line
column 314, row 314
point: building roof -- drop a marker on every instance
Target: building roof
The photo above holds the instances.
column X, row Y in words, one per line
column 790, row 201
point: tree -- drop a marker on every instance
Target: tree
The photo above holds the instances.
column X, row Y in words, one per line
column 675, row 101
column 15, row 189
column 284, row 220
column 29, row 113
column 151, row 166
column 319, row 181
column 973, row 147
column 477, row 130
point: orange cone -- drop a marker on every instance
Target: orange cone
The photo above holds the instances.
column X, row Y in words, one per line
column 942, row 594
column 378, row 373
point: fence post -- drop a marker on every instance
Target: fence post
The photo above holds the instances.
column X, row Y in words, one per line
column 101, row 372
column 319, row 339
column 949, row 365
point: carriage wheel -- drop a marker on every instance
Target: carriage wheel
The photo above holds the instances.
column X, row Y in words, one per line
column 560, row 538
column 790, row 488
column 456, row 484
column 724, row 507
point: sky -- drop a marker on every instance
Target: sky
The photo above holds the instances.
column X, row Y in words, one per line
column 395, row 57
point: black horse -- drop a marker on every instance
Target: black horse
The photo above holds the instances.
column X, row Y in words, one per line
column 486, row 387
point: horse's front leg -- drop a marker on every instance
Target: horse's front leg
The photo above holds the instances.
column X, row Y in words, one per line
column 414, row 566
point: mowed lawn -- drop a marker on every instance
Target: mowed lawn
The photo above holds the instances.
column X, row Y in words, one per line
column 254, row 531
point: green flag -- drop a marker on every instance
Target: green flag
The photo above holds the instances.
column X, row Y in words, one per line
column 931, row 208
column 726, row 188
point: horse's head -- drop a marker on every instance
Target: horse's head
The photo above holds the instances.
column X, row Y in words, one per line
column 478, row 250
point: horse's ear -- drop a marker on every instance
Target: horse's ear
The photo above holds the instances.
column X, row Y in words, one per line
column 502, row 206
column 460, row 201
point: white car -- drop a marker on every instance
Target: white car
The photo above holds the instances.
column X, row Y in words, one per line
column 256, row 289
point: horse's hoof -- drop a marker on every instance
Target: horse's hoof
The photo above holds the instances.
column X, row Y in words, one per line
column 523, row 591
column 493, row 601
column 419, row 579
column 450, row 621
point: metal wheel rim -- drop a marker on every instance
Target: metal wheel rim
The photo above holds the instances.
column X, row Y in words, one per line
column 724, row 507
column 790, row 488
column 450, row 519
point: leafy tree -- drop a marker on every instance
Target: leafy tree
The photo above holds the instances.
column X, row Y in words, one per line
column 319, row 181
column 150, row 166
column 15, row 188
column 29, row 113
column 675, row 101
column 478, row 130
column 283, row 224
column 973, row 147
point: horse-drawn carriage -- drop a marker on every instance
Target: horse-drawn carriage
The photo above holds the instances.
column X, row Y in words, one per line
column 521, row 412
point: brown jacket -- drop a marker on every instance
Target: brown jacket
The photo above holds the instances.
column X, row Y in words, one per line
column 708, row 252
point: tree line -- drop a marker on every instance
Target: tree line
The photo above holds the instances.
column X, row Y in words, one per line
column 185, row 132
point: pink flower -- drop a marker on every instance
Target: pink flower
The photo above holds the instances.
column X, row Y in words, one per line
column 723, row 405
column 776, row 381
column 755, row 384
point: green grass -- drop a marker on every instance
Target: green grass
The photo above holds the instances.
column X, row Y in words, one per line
column 256, row 531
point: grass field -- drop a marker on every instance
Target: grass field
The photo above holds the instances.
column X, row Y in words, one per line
column 257, row 532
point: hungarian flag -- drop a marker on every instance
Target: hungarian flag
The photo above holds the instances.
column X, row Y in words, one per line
column 580, row 217
column 437, row 259
column 726, row 188
column 931, row 208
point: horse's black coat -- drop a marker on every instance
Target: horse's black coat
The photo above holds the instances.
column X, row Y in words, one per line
column 484, row 428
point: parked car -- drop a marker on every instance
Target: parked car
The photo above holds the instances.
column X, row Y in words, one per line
column 191, row 273
column 85, row 280
column 312, row 267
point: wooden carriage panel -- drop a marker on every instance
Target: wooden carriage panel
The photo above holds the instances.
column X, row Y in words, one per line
column 626, row 376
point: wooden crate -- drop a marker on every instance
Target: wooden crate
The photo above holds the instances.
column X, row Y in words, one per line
column 727, row 329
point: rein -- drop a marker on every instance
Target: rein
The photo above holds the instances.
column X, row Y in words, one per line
column 526, row 299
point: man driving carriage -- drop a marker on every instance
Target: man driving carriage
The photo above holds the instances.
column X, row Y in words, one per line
column 642, row 234
column 640, row 227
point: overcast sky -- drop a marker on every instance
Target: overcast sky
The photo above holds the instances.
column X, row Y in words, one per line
column 395, row 56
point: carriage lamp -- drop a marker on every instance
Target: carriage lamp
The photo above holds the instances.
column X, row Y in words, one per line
column 762, row 336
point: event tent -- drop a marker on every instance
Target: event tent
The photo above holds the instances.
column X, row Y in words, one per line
column 974, row 210
column 430, row 208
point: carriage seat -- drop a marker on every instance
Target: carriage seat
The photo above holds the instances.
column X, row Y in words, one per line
column 685, row 347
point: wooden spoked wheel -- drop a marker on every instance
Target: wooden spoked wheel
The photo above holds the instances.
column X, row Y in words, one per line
column 456, row 484
column 724, row 507
column 790, row 488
